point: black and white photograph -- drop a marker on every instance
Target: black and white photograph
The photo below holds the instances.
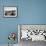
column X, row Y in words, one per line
column 10, row 11
column 30, row 34
column 33, row 32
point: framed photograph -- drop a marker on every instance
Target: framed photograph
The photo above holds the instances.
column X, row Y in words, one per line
column 10, row 11
column 31, row 32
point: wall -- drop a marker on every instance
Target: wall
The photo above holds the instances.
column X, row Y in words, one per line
column 29, row 12
column 7, row 25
